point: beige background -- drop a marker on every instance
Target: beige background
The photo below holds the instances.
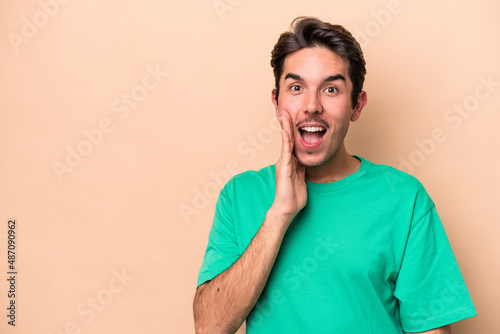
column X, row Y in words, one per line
column 138, row 202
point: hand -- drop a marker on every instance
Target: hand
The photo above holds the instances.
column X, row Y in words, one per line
column 291, row 189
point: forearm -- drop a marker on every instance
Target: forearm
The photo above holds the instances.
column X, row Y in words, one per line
column 222, row 304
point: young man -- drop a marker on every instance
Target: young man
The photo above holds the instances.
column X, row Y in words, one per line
column 323, row 241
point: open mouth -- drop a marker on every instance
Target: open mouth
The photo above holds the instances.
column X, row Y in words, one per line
column 312, row 135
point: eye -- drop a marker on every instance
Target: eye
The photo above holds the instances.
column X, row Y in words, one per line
column 295, row 88
column 331, row 89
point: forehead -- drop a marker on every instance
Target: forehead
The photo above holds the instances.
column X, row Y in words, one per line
column 315, row 63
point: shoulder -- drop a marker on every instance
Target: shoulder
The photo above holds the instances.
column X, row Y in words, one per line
column 251, row 181
column 248, row 195
column 263, row 176
column 393, row 177
column 399, row 184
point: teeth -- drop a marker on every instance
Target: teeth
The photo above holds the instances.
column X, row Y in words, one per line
column 313, row 128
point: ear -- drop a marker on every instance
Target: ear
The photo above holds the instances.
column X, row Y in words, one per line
column 275, row 102
column 361, row 102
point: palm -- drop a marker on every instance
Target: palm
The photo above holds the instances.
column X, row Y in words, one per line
column 291, row 189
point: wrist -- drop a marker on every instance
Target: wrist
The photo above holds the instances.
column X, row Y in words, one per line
column 276, row 218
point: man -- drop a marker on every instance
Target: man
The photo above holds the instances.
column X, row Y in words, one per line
column 323, row 241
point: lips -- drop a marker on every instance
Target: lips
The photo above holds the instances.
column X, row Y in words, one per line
column 311, row 136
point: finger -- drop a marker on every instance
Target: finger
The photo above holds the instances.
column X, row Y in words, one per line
column 301, row 169
column 290, row 129
column 287, row 123
column 280, row 119
column 286, row 150
column 286, row 138
column 283, row 144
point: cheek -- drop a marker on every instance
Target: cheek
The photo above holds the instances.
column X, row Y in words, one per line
column 290, row 103
column 292, row 106
column 340, row 112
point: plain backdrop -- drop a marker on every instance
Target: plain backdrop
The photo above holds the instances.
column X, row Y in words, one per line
column 121, row 120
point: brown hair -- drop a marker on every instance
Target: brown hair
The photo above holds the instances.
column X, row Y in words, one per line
column 308, row 32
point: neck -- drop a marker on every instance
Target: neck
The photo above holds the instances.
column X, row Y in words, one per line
column 341, row 165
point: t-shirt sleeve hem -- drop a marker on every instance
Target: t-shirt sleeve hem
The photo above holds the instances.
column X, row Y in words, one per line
column 440, row 321
column 203, row 278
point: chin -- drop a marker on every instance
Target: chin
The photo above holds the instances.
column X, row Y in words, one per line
column 310, row 160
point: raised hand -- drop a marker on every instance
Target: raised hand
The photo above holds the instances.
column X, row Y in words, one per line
column 222, row 304
column 291, row 189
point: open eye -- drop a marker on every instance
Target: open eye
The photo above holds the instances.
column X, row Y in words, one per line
column 295, row 88
column 331, row 89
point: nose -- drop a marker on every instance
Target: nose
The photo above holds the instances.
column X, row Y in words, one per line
column 312, row 103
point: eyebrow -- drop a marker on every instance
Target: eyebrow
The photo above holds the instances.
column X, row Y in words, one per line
column 330, row 78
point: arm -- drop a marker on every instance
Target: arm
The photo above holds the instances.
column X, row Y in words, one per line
column 441, row 330
column 222, row 304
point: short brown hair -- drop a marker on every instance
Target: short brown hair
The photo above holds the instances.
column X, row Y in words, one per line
column 308, row 32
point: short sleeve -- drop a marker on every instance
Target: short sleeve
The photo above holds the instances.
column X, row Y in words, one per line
column 430, row 288
column 222, row 249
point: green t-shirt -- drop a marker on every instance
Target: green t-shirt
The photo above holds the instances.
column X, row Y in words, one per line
column 367, row 254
